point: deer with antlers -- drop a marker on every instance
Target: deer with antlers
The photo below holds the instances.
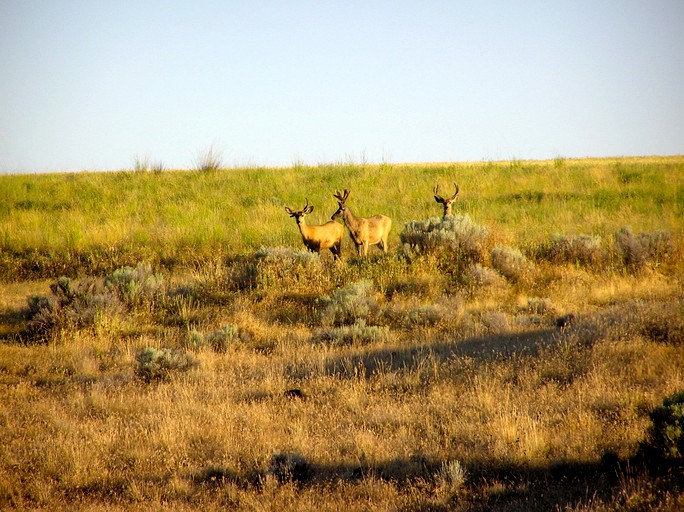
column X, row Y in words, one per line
column 446, row 202
column 318, row 238
column 364, row 231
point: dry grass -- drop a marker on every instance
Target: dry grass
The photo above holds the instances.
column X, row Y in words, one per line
column 391, row 383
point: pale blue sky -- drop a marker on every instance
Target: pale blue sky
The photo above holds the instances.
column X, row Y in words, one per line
column 90, row 85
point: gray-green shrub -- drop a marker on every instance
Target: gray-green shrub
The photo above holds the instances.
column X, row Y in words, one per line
column 72, row 304
column 637, row 251
column 510, row 263
column 350, row 304
column 479, row 276
column 218, row 341
column 286, row 267
column 158, row 364
column 580, row 249
column 456, row 234
column 356, row 334
column 134, row 285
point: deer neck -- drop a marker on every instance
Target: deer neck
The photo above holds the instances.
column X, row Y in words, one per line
column 304, row 229
column 350, row 220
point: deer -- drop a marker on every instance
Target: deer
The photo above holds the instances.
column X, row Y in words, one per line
column 318, row 238
column 446, row 202
column 364, row 231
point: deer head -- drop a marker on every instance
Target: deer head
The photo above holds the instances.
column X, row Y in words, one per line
column 446, row 202
column 299, row 215
column 341, row 201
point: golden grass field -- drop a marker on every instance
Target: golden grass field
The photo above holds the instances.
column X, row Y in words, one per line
column 167, row 344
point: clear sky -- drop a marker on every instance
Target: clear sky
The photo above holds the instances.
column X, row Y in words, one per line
column 91, row 85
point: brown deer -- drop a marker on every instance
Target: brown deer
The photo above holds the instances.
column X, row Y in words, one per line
column 446, row 202
column 318, row 238
column 363, row 231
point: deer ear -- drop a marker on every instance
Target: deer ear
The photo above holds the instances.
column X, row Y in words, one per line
column 439, row 199
column 309, row 209
column 288, row 210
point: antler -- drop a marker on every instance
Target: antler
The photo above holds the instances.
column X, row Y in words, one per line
column 438, row 198
column 341, row 197
column 455, row 192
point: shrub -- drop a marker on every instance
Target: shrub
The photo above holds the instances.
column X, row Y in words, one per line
column 134, row 285
column 283, row 266
column 358, row 333
column 510, row 263
column 350, row 304
column 639, row 250
column 478, row 276
column 194, row 340
column 581, row 249
column 288, row 467
column 158, row 364
column 539, row 306
column 666, row 435
column 427, row 314
column 494, row 322
column 72, row 304
column 450, row 477
column 218, row 341
column 427, row 287
column 454, row 234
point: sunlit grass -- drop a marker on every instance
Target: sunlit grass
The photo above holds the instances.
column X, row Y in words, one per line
column 431, row 381
column 242, row 209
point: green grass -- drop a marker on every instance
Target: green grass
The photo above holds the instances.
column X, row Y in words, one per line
column 197, row 357
column 175, row 217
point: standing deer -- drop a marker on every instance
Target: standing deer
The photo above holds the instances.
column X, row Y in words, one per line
column 446, row 202
column 364, row 231
column 317, row 238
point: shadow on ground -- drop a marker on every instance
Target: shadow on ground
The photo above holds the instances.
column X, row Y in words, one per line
column 488, row 485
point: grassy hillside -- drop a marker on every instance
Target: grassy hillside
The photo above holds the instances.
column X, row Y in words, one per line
column 94, row 220
column 166, row 342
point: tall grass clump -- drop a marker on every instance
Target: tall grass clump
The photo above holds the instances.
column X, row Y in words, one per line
column 456, row 235
column 451, row 477
column 144, row 164
column 209, row 160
